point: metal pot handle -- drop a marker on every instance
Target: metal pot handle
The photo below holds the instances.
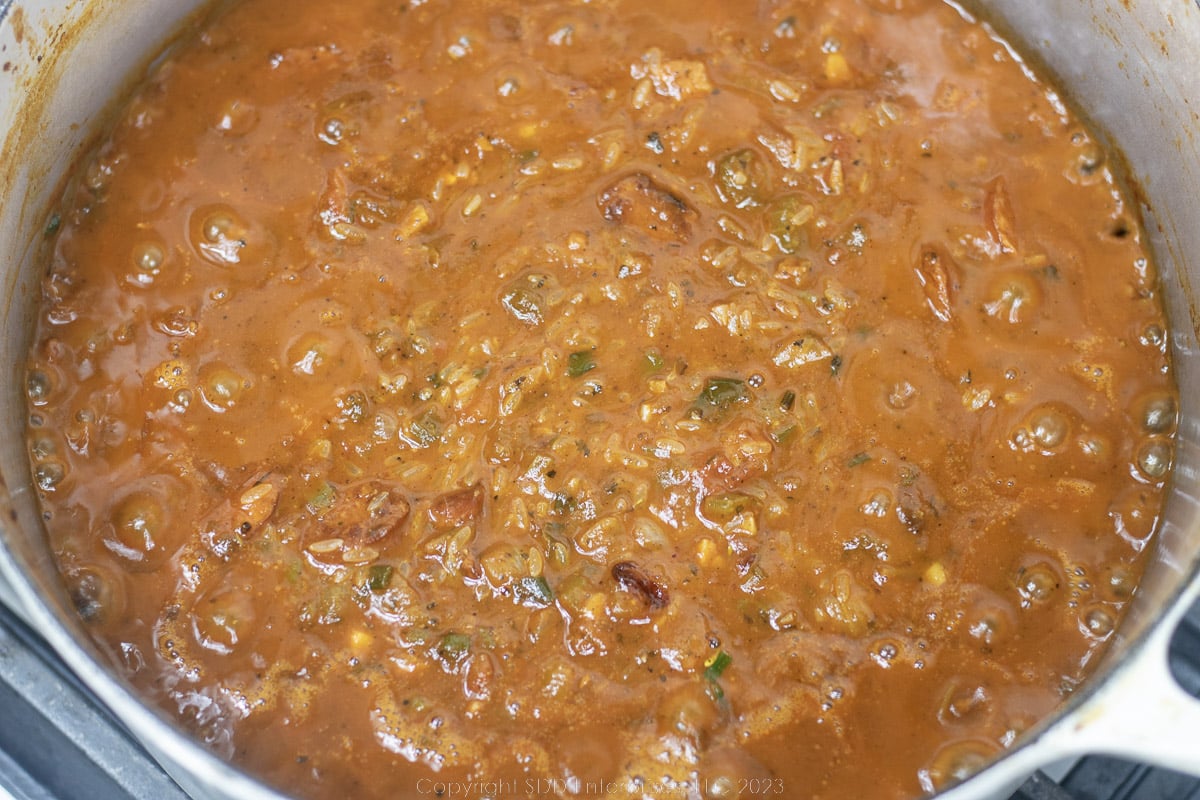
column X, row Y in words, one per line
column 1142, row 714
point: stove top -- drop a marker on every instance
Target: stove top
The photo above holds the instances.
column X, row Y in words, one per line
column 58, row 743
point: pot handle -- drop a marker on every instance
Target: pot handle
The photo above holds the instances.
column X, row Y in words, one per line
column 1142, row 714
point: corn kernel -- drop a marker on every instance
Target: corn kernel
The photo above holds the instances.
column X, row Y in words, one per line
column 360, row 641
column 837, row 70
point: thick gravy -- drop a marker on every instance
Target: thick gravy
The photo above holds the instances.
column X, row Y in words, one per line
column 666, row 400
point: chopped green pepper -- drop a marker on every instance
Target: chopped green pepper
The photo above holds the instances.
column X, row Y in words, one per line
column 783, row 434
column 534, row 591
column 719, row 394
column 379, row 576
column 322, row 499
column 454, row 646
column 722, row 507
column 741, row 176
column 715, row 666
column 858, row 458
column 580, row 362
column 786, row 219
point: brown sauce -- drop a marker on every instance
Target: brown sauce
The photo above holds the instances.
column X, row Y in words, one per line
column 669, row 400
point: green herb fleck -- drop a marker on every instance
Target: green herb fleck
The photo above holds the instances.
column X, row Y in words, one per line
column 654, row 360
column 53, row 224
column 580, row 363
column 788, row 401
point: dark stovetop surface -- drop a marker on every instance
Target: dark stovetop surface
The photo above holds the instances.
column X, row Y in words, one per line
column 58, row 743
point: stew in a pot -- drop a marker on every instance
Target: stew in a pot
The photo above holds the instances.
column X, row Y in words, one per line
column 692, row 399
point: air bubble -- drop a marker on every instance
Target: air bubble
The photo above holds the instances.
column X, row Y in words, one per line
column 97, row 593
column 237, row 118
column 218, row 234
column 957, row 761
column 49, row 474
column 1159, row 414
column 1154, row 459
column 221, row 387
column 1037, row 583
column 1048, row 427
column 148, row 257
column 901, row 395
column 1154, row 336
column 38, row 387
column 137, row 523
column 1097, row 622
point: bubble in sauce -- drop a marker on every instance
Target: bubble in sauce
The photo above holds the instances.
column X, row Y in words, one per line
column 38, row 387
column 1153, row 336
column 222, row 387
column 963, row 702
column 148, row 257
column 218, row 234
column 1037, row 583
column 1154, row 459
column 1013, row 297
column 1097, row 621
column 1049, row 427
column 901, row 395
column 309, row 352
column 1132, row 513
column 957, row 761
column 49, row 474
column 138, row 529
column 97, row 592
column 223, row 619
column 237, row 118
column 1158, row 413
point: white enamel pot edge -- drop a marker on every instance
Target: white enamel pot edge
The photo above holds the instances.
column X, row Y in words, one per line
column 1128, row 66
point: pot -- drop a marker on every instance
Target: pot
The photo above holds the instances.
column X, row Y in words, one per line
column 1131, row 67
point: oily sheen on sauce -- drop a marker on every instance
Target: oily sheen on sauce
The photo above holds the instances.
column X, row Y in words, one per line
column 678, row 399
